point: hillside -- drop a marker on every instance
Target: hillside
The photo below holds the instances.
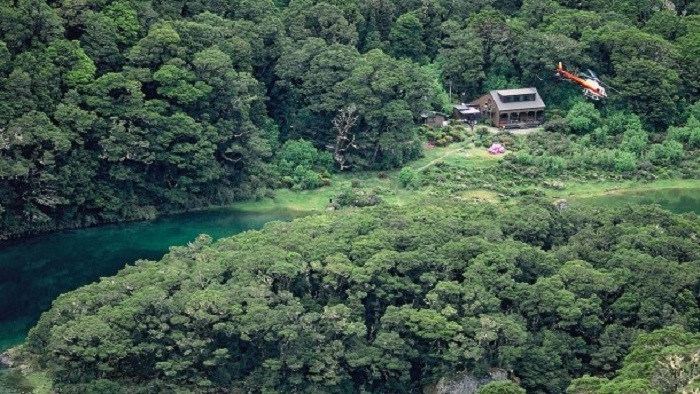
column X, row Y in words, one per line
column 388, row 299
column 121, row 110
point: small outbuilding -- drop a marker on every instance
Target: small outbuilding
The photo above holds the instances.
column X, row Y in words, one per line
column 467, row 113
column 434, row 119
column 512, row 108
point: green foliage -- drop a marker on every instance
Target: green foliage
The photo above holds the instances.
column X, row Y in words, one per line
column 688, row 134
column 357, row 198
column 300, row 162
column 663, row 361
column 667, row 153
column 407, row 38
column 171, row 105
column 443, row 136
column 635, row 141
column 582, row 118
column 408, row 177
column 118, row 110
column 625, row 161
column 501, row 388
column 356, row 301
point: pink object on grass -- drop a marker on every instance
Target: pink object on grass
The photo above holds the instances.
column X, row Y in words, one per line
column 496, row 149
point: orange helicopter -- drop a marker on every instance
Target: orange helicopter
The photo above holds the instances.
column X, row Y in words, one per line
column 592, row 86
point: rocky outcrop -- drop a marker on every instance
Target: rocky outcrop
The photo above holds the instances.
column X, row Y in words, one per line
column 6, row 361
column 465, row 383
column 561, row 204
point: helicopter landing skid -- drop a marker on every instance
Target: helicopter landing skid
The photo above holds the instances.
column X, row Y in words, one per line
column 590, row 95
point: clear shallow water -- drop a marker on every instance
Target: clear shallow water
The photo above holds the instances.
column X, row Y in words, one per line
column 34, row 271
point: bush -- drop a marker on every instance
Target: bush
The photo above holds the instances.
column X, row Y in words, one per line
column 556, row 125
column 625, row 161
column 582, row 118
column 505, row 387
column 355, row 183
column 408, row 176
column 302, row 166
column 357, row 198
column 444, row 135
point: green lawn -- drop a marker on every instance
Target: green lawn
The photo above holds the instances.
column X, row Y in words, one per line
column 461, row 155
column 585, row 190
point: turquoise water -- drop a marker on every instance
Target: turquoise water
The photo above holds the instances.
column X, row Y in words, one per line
column 34, row 271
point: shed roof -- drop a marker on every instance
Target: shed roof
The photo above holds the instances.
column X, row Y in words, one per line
column 469, row 111
column 518, row 105
column 463, row 106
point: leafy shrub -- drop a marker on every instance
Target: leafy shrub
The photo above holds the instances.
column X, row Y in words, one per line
column 669, row 152
column 301, row 166
column 505, row 387
column 582, row 118
column 556, row 125
column 625, row 161
column 408, row 176
column 357, row 198
column 444, row 135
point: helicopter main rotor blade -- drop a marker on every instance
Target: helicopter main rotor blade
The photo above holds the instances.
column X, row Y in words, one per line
column 607, row 86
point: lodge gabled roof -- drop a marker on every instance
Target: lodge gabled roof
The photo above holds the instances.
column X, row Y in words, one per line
column 497, row 95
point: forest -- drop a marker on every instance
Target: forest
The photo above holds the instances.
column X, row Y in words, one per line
column 123, row 110
column 388, row 299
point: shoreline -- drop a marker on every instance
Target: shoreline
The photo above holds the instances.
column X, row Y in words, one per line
column 316, row 201
column 307, row 202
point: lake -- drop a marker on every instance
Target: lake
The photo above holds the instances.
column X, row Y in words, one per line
column 36, row 270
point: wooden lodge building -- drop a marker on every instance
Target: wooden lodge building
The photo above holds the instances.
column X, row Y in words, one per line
column 512, row 108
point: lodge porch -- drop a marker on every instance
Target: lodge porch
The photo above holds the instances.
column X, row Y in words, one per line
column 520, row 119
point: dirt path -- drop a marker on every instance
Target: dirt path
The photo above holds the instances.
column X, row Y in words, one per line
column 440, row 158
column 495, row 130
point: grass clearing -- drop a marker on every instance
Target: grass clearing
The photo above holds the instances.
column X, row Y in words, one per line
column 41, row 382
column 587, row 190
column 392, row 193
column 472, row 158
column 480, row 195
column 461, row 155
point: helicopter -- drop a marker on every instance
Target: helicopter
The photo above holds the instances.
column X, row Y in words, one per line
column 592, row 86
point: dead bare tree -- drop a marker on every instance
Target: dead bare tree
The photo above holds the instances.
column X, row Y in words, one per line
column 4, row 140
column 675, row 372
column 344, row 139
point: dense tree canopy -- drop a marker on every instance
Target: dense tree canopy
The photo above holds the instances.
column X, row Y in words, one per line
column 388, row 299
column 120, row 110
column 117, row 110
